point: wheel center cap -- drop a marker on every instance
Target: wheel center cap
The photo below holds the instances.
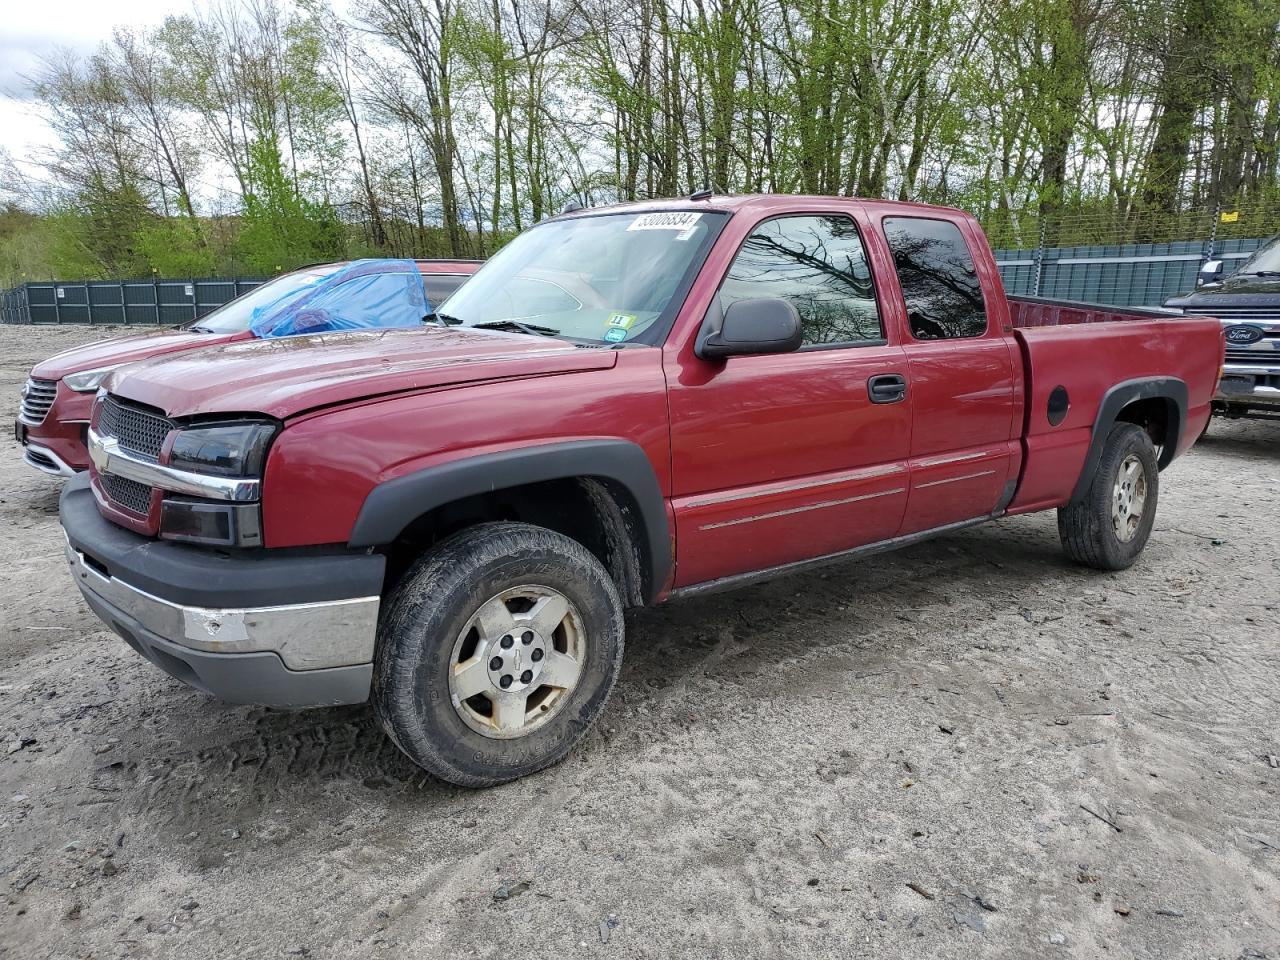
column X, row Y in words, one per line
column 515, row 660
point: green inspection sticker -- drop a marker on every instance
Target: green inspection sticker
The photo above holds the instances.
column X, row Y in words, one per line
column 615, row 334
column 623, row 320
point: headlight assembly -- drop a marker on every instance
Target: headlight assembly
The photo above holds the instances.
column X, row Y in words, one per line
column 237, row 450
column 223, row 450
column 87, row 381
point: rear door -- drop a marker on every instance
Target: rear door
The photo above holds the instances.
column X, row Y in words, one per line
column 963, row 376
column 780, row 458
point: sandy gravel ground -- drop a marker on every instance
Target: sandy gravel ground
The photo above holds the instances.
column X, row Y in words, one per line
column 967, row 749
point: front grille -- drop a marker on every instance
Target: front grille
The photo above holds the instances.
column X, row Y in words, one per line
column 36, row 400
column 1258, row 358
column 139, row 431
column 1264, row 313
column 127, row 493
column 142, row 432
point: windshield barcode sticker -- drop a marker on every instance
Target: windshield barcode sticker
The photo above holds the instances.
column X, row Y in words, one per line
column 675, row 220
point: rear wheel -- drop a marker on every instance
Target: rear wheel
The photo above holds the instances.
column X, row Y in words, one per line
column 496, row 652
column 1108, row 528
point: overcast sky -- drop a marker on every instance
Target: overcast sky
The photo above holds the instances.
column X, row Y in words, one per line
column 30, row 29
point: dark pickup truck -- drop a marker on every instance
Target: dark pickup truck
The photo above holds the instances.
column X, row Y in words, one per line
column 1248, row 305
column 625, row 405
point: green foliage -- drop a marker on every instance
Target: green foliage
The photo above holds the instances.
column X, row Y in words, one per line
column 281, row 228
column 176, row 247
column 254, row 135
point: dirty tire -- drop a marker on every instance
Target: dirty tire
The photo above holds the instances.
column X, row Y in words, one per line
column 1087, row 528
column 426, row 613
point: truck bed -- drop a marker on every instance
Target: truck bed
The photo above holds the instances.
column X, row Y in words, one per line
column 1119, row 345
column 1041, row 312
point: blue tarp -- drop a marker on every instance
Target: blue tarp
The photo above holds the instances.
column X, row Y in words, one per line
column 361, row 295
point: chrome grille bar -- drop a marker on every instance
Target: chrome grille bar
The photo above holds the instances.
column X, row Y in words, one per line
column 109, row 457
column 37, row 398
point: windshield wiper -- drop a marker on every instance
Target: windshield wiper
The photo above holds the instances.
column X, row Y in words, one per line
column 199, row 329
column 530, row 328
column 1260, row 273
column 444, row 319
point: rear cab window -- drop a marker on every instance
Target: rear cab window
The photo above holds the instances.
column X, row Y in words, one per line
column 939, row 281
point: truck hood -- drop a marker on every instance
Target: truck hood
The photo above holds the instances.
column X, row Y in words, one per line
column 126, row 349
column 1236, row 291
column 289, row 376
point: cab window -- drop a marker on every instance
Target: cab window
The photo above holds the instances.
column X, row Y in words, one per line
column 819, row 265
column 938, row 279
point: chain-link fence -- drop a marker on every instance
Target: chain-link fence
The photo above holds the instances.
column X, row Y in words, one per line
column 1130, row 275
column 1123, row 257
column 119, row 301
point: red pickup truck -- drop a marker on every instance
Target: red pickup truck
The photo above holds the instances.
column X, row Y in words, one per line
column 53, row 419
column 625, row 405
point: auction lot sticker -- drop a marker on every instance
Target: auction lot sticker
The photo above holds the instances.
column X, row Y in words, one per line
column 681, row 220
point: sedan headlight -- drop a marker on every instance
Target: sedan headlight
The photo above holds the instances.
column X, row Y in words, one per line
column 223, row 450
column 87, row 381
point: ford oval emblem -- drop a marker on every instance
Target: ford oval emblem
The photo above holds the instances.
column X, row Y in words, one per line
column 1242, row 333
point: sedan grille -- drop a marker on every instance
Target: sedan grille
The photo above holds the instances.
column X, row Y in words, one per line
column 137, row 430
column 37, row 398
column 133, row 496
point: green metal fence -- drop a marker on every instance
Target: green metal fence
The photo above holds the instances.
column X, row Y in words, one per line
column 165, row 302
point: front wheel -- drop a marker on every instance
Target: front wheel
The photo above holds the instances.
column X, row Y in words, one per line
column 1109, row 526
column 496, row 652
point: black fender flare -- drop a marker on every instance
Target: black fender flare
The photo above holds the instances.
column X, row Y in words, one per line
column 1170, row 389
column 393, row 505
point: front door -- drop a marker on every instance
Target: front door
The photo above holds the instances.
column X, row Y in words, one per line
column 780, row 458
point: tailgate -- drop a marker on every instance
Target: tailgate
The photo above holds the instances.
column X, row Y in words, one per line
column 1086, row 358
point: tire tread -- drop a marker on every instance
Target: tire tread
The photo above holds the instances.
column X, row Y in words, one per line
column 411, row 601
column 1084, row 526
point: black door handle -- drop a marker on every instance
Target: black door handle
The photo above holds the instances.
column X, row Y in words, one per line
column 887, row 388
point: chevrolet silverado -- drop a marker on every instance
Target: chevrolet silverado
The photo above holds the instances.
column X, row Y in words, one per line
column 625, row 405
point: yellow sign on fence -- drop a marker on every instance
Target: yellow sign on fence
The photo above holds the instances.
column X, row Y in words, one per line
column 1231, row 217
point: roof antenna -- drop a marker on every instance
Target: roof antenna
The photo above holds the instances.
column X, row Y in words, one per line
column 706, row 193
column 571, row 207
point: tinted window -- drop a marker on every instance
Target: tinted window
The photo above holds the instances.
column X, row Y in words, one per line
column 938, row 280
column 440, row 286
column 819, row 265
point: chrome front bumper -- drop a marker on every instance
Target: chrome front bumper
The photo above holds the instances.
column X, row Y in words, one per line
column 306, row 636
column 229, row 653
column 1248, row 384
column 275, row 627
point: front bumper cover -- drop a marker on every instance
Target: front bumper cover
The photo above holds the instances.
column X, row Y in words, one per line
column 287, row 630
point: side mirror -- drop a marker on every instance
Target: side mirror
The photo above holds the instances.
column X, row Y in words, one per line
column 763, row 325
column 1210, row 272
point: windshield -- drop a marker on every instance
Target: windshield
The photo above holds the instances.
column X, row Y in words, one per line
column 602, row 278
column 235, row 316
column 1266, row 259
